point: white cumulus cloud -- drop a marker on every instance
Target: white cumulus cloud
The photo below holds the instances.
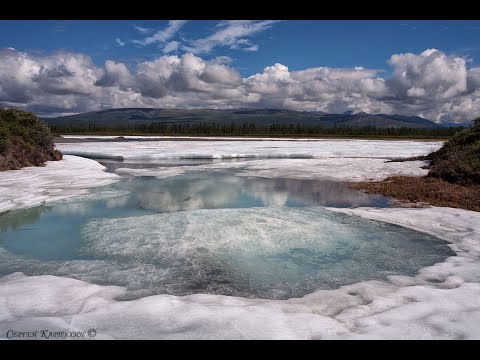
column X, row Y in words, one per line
column 431, row 84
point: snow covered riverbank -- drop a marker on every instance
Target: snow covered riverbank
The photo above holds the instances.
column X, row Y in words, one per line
column 32, row 186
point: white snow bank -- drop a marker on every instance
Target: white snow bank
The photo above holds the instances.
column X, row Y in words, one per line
column 270, row 149
column 32, row 186
column 441, row 302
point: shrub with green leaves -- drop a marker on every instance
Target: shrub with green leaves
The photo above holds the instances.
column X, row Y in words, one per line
column 459, row 159
column 24, row 140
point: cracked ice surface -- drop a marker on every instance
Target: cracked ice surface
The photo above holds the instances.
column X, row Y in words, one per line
column 440, row 302
column 32, row 186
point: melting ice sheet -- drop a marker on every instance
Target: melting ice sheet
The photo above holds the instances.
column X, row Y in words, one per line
column 344, row 160
column 213, row 233
column 221, row 149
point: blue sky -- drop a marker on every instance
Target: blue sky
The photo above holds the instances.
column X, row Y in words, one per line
column 299, row 43
column 62, row 67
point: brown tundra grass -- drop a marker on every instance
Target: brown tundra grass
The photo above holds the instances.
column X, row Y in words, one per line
column 418, row 190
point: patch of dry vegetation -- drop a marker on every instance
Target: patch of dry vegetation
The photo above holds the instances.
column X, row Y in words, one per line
column 453, row 179
column 418, row 190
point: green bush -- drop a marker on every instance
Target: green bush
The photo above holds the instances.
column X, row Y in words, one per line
column 25, row 140
column 459, row 159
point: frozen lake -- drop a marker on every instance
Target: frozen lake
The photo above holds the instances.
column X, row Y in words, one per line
column 213, row 232
column 233, row 239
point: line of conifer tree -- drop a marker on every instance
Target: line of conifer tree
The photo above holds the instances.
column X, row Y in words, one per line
column 250, row 129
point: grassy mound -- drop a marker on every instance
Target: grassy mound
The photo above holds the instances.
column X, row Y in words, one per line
column 24, row 140
column 458, row 161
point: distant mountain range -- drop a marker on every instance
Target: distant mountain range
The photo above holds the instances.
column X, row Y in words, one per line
column 259, row 117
